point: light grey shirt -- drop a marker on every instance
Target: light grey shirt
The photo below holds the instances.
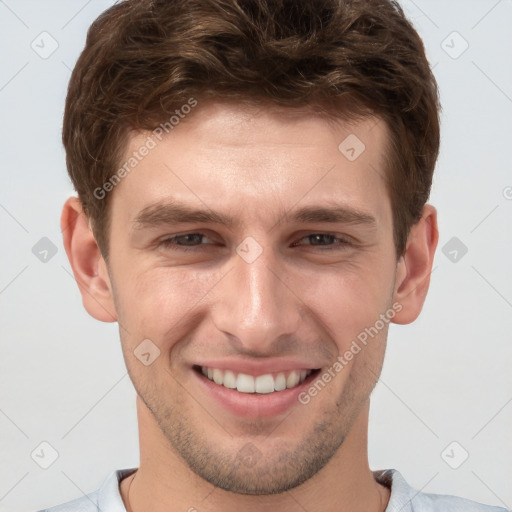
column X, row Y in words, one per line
column 403, row 497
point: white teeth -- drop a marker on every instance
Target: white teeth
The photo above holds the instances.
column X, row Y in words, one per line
column 217, row 376
column 248, row 384
column 280, row 382
column 264, row 384
column 293, row 379
column 229, row 379
column 245, row 383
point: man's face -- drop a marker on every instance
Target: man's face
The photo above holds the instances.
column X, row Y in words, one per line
column 271, row 293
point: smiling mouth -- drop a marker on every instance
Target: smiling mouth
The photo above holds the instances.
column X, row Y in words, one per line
column 261, row 384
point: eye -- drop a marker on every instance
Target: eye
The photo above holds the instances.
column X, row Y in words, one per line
column 183, row 242
column 326, row 241
column 194, row 241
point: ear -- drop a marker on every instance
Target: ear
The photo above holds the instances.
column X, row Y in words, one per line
column 89, row 267
column 415, row 266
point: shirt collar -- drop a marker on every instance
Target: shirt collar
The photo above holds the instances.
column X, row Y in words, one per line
column 402, row 493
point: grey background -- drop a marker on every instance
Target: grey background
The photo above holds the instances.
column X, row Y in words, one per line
column 446, row 377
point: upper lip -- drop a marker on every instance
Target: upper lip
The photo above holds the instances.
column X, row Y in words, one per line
column 257, row 367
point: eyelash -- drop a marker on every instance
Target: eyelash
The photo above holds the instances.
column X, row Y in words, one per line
column 169, row 243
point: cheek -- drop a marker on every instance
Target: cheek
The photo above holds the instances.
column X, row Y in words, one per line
column 161, row 302
column 347, row 300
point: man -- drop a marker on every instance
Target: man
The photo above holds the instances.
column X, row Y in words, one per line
column 252, row 182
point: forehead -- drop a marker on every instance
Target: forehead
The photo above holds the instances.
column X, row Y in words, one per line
column 257, row 159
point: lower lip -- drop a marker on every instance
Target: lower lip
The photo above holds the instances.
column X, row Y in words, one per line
column 254, row 405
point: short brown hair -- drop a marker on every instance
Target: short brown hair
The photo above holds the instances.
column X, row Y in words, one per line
column 145, row 58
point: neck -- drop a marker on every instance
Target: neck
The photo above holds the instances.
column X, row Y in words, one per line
column 164, row 483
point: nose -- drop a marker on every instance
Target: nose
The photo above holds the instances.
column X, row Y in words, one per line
column 256, row 306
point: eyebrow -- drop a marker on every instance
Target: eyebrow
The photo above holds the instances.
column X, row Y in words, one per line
column 170, row 212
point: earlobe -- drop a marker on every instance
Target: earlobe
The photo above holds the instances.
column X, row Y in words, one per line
column 415, row 266
column 87, row 263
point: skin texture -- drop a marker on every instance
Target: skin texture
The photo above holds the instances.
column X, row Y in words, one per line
column 297, row 299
